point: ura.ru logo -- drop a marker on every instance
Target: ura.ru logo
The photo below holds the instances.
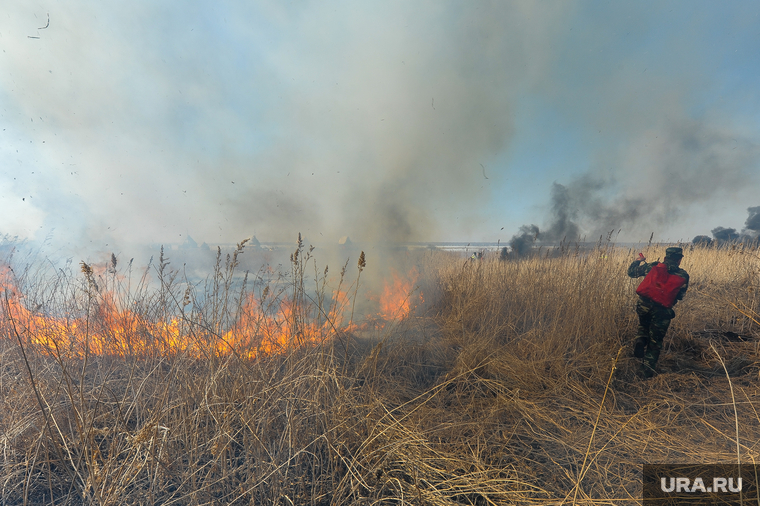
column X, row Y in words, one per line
column 686, row 485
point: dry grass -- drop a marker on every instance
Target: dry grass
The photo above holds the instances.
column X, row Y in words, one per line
column 514, row 385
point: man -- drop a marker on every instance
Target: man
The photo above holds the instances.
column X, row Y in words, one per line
column 664, row 285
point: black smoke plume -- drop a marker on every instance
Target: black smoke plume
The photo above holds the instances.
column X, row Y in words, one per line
column 702, row 240
column 522, row 242
column 654, row 184
column 564, row 212
column 753, row 221
column 724, row 235
column 562, row 225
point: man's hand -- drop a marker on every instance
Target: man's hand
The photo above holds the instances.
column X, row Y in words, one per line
column 642, row 257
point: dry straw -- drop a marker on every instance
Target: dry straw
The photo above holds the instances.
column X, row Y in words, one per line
column 498, row 391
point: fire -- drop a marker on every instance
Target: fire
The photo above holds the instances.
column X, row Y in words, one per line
column 396, row 300
column 264, row 325
column 262, row 331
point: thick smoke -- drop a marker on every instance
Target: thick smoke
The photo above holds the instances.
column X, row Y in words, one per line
column 379, row 121
column 523, row 241
column 562, row 225
column 702, row 240
column 723, row 235
column 365, row 120
column 753, row 221
column 438, row 118
column 659, row 182
column 564, row 211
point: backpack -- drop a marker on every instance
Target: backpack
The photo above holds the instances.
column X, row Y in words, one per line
column 661, row 286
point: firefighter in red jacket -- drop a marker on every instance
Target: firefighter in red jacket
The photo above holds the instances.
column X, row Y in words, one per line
column 663, row 286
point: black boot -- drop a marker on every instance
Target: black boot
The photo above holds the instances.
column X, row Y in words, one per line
column 640, row 348
column 647, row 370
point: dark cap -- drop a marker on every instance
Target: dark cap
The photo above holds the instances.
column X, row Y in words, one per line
column 674, row 252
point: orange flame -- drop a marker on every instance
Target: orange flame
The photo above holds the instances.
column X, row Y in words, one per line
column 259, row 331
column 397, row 299
column 262, row 327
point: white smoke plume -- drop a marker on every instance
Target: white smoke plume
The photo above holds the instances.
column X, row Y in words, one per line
column 141, row 123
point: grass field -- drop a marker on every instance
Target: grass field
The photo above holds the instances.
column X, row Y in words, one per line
column 512, row 383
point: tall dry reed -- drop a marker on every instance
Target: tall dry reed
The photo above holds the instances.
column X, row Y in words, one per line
column 513, row 384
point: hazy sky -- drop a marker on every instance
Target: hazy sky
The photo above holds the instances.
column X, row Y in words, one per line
column 140, row 122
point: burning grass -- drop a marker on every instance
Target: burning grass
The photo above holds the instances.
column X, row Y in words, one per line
column 511, row 384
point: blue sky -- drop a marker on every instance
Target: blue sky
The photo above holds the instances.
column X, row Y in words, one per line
column 135, row 123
